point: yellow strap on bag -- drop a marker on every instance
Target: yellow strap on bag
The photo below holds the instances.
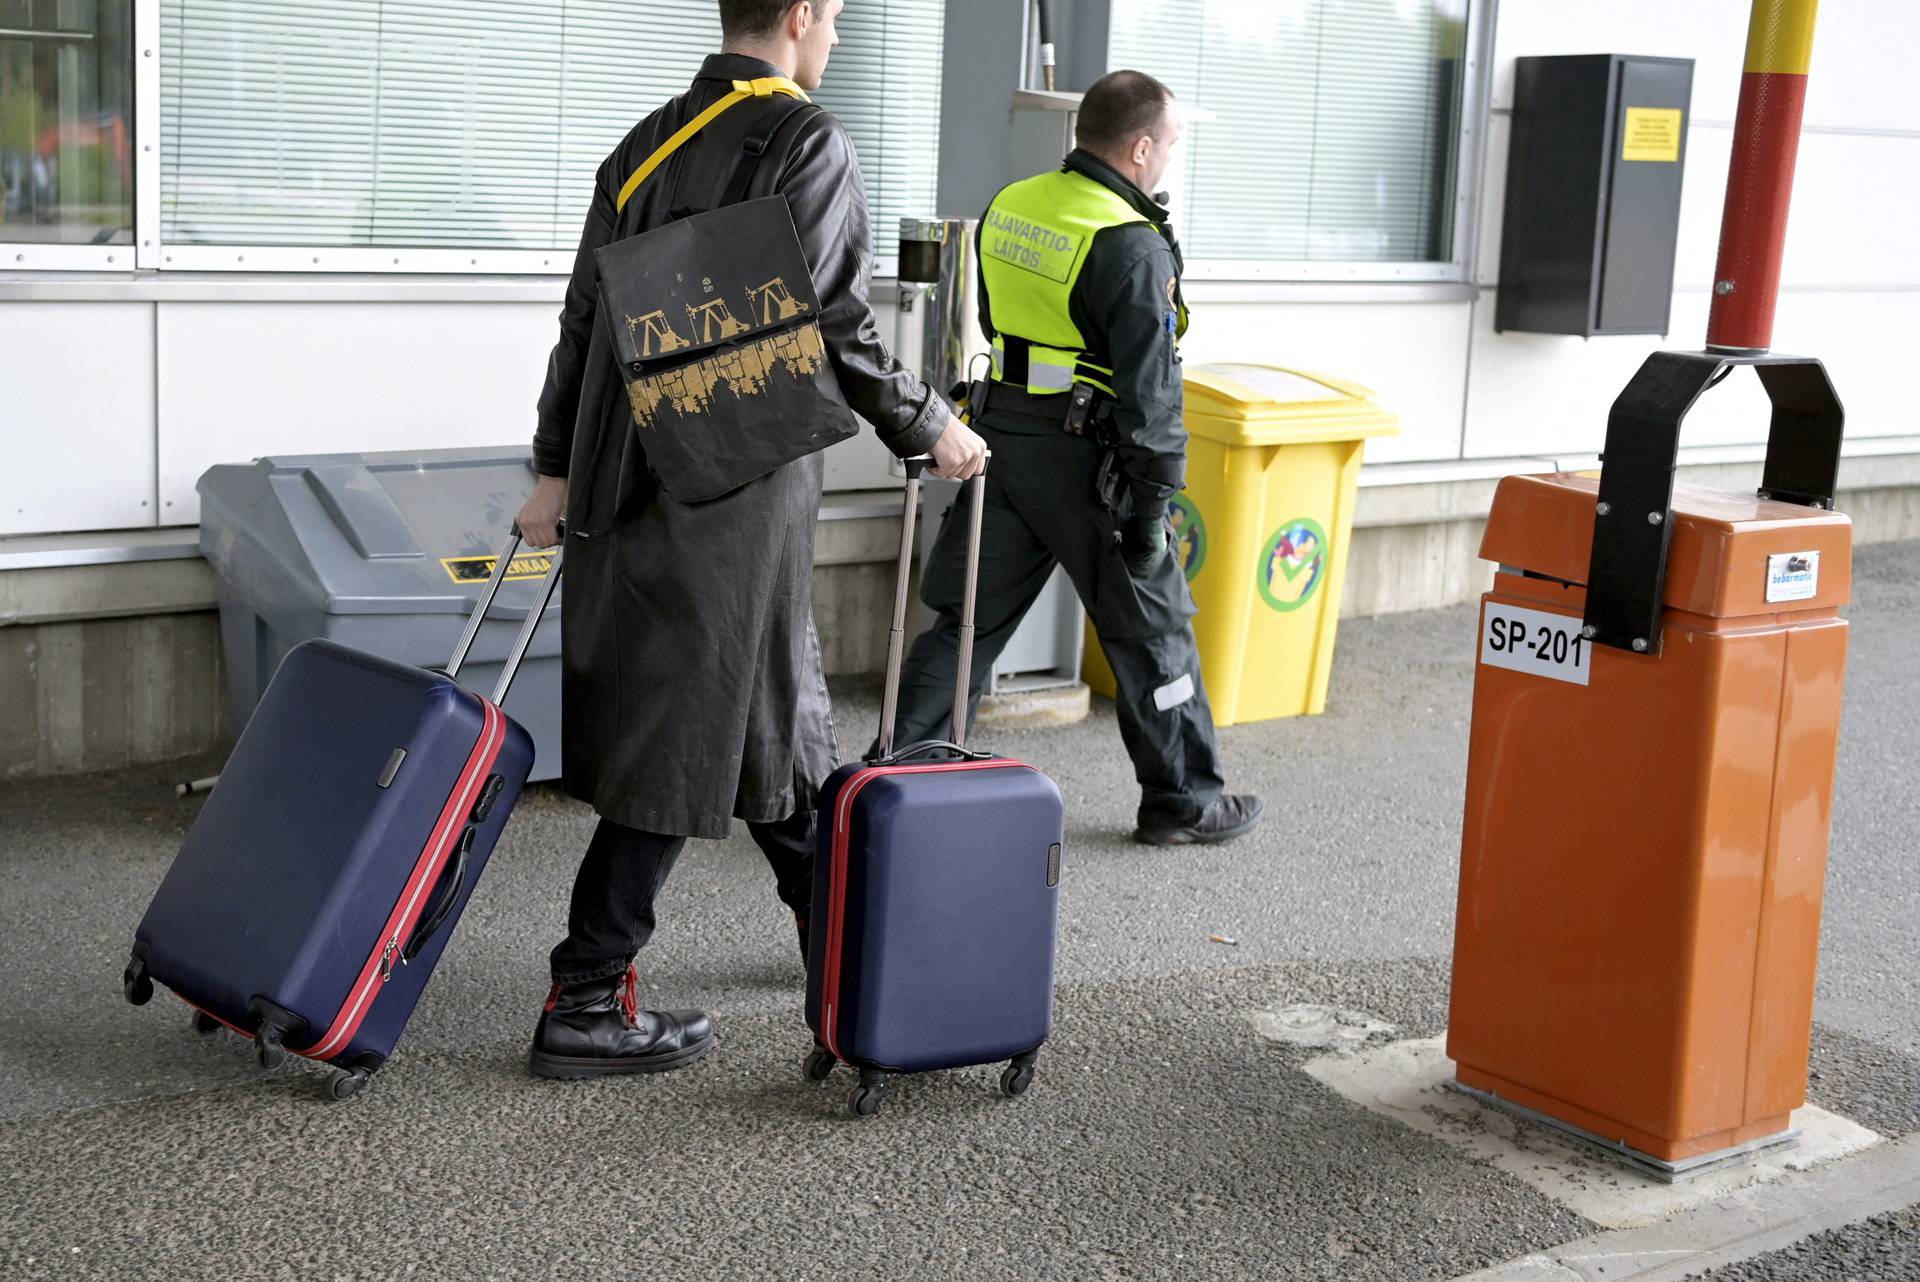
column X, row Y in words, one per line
column 742, row 90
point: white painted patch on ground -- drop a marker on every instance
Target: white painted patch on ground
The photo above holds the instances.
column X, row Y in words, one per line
column 1406, row 1081
column 1306, row 1025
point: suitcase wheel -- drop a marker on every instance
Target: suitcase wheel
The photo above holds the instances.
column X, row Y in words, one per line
column 347, row 1083
column 267, row 1047
column 866, row 1097
column 205, row 1024
column 1018, row 1075
column 820, row 1064
column 136, row 983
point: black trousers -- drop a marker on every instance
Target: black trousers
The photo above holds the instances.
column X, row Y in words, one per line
column 1042, row 510
column 610, row 917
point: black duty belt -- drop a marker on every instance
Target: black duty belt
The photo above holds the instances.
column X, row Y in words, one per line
column 1079, row 412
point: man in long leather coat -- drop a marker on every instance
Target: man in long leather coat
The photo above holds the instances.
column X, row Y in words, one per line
column 693, row 692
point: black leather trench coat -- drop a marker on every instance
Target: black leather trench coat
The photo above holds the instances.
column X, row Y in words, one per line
column 693, row 692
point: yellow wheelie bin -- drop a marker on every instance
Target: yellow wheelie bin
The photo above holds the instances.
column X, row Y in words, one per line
column 1263, row 527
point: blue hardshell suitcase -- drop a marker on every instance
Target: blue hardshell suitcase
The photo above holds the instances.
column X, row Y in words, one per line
column 345, row 835
column 936, row 895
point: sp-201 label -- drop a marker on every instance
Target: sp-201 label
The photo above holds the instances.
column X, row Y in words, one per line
column 1534, row 642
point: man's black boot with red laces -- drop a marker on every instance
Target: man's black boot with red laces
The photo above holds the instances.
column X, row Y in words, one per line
column 596, row 1028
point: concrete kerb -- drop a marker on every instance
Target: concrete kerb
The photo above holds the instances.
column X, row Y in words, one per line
column 1407, row 1080
column 1740, row 1226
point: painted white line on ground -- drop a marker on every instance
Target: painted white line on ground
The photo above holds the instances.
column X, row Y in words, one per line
column 1750, row 1222
column 1404, row 1080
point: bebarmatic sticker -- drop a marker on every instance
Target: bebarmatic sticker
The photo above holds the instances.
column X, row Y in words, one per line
column 1793, row 576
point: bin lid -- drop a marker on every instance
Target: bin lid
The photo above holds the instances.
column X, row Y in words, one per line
column 1724, row 551
column 1252, row 404
column 398, row 533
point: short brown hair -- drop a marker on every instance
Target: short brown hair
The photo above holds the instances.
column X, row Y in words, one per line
column 751, row 17
column 1120, row 107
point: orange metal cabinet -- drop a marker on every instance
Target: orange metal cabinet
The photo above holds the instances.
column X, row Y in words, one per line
column 1643, row 853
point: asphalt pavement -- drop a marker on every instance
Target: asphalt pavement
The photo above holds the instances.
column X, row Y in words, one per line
column 1165, row 1136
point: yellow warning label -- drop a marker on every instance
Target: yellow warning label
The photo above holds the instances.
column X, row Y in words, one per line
column 1651, row 133
column 478, row 569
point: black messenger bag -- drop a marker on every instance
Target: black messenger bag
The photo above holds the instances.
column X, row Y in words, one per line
column 715, row 326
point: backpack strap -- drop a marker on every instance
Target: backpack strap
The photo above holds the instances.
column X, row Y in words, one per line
column 754, row 149
column 742, row 90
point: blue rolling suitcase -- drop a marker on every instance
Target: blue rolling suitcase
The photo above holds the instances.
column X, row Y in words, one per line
column 347, row 831
column 936, row 893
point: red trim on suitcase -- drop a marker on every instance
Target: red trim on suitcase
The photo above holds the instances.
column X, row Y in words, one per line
column 426, row 872
column 837, row 898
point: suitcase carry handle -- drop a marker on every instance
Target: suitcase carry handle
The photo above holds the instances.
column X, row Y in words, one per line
column 933, row 748
column 519, row 652
column 455, row 879
column 897, row 636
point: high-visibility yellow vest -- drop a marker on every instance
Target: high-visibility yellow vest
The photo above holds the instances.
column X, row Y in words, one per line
column 1033, row 246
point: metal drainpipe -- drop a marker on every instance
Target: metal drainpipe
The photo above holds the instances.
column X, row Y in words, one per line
column 1046, row 40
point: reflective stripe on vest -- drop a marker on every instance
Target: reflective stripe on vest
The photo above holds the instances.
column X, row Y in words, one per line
column 1033, row 245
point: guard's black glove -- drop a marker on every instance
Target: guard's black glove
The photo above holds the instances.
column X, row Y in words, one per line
column 1144, row 541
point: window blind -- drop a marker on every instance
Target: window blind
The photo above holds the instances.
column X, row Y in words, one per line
column 884, row 85
column 477, row 124
column 1338, row 122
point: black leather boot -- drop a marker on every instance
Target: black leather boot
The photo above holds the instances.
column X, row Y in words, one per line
column 596, row 1028
column 1230, row 815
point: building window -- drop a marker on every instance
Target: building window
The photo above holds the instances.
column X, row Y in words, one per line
column 438, row 131
column 1335, row 141
column 66, row 122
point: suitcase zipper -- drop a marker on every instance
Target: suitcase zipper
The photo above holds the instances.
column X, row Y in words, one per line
column 379, row 967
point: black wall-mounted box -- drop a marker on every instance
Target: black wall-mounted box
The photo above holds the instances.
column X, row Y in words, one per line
column 1593, row 194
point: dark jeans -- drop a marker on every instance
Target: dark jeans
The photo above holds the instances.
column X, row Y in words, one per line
column 611, row 915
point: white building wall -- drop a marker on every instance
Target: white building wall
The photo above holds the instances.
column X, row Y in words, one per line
column 119, row 392
column 76, row 416
column 1851, row 283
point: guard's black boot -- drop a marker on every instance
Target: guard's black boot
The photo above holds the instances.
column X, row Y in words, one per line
column 1230, row 816
column 595, row 1028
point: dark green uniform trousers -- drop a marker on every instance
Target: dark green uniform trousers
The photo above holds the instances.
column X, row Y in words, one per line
column 1042, row 510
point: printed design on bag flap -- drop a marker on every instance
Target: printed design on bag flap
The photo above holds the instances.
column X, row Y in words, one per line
column 745, row 371
column 653, row 335
column 712, row 321
column 771, row 303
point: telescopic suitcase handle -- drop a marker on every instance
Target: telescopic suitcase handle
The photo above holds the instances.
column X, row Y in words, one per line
column 897, row 636
column 525, row 639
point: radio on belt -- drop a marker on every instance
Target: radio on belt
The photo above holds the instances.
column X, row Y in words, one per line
column 1656, row 710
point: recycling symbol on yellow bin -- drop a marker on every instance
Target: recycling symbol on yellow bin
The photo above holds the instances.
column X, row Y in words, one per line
column 1189, row 534
column 1292, row 564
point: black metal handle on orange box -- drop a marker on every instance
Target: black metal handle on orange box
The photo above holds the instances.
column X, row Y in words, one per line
column 1633, row 519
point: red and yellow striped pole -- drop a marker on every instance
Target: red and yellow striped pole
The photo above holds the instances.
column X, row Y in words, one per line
column 1766, row 139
